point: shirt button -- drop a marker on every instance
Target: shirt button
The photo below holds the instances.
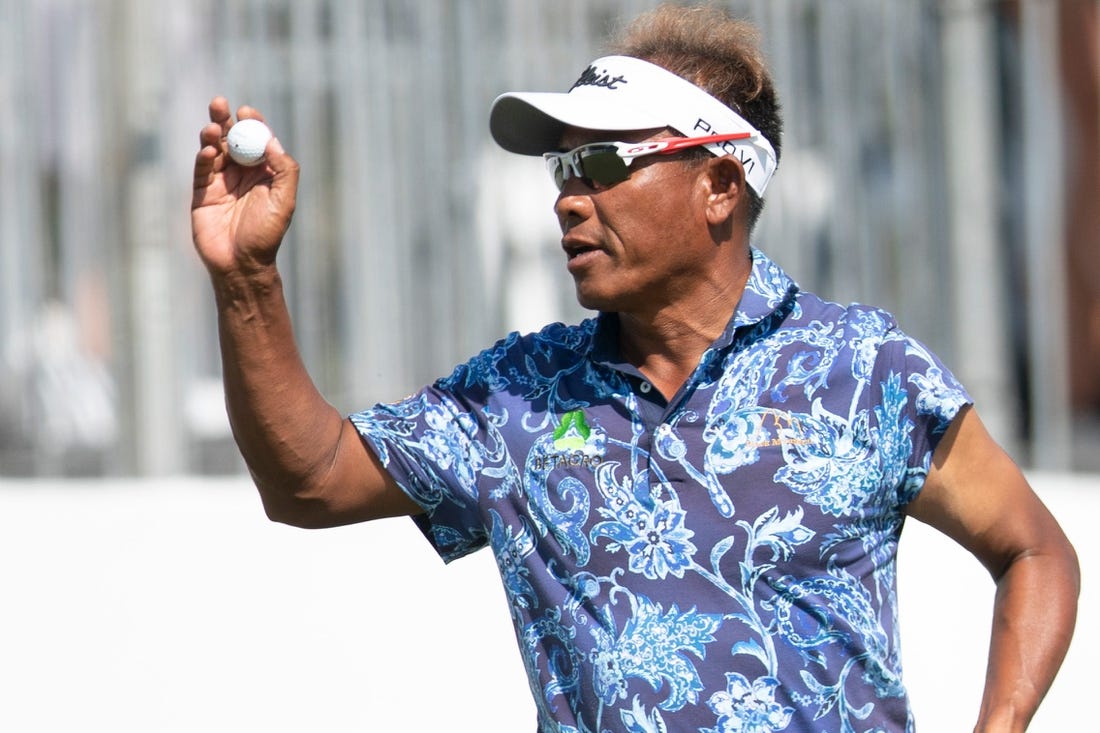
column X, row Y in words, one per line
column 645, row 387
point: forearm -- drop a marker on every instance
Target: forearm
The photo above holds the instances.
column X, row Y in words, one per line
column 286, row 431
column 1033, row 618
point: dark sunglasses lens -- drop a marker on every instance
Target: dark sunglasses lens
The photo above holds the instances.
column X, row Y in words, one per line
column 604, row 167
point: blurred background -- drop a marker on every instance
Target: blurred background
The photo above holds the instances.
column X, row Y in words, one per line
column 941, row 159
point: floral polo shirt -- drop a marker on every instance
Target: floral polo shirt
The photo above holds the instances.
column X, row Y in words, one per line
column 721, row 562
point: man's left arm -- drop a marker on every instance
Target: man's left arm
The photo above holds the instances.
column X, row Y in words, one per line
column 975, row 494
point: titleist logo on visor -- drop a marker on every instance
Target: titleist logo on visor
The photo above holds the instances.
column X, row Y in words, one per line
column 593, row 78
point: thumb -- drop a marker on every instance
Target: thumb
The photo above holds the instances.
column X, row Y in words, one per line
column 284, row 184
column 277, row 157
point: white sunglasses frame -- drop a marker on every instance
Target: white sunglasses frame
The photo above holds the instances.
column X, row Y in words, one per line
column 571, row 162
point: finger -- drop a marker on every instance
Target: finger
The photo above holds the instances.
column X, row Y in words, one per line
column 219, row 113
column 205, row 167
column 219, row 109
column 279, row 160
column 210, row 135
column 245, row 112
column 284, row 187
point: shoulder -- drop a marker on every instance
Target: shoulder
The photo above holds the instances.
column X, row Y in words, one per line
column 866, row 340
column 517, row 354
column 854, row 322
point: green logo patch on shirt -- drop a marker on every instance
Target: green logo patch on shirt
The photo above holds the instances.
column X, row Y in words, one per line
column 573, row 433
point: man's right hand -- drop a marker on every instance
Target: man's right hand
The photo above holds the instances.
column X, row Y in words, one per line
column 239, row 214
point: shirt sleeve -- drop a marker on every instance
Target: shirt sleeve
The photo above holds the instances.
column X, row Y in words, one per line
column 433, row 444
column 917, row 398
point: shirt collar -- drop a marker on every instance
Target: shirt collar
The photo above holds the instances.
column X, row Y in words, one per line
column 768, row 289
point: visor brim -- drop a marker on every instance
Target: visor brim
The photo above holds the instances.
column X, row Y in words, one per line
column 532, row 123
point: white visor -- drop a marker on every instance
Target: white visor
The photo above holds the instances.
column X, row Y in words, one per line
column 625, row 93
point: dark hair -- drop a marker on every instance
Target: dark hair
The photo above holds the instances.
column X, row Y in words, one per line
column 717, row 53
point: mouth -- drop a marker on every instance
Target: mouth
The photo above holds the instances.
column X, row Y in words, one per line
column 577, row 249
column 580, row 257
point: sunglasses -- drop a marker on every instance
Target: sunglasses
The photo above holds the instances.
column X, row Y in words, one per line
column 604, row 164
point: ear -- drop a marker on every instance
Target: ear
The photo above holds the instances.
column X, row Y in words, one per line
column 725, row 182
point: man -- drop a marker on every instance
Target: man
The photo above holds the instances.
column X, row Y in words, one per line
column 695, row 498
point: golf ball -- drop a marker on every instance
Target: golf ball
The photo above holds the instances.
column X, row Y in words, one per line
column 247, row 140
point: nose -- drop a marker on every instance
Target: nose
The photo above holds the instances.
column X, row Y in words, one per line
column 574, row 203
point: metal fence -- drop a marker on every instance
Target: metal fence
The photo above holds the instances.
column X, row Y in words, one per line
column 922, row 171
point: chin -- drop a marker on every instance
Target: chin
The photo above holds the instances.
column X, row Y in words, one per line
column 595, row 301
column 601, row 294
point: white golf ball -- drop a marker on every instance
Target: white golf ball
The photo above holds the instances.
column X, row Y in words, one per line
column 247, row 140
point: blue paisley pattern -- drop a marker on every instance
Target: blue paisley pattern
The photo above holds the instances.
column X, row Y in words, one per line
column 721, row 563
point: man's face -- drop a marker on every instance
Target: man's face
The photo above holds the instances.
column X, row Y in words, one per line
column 640, row 244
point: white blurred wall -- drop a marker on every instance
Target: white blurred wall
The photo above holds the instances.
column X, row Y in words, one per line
column 176, row 606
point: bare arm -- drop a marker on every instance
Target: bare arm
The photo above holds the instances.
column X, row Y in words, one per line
column 307, row 461
column 977, row 495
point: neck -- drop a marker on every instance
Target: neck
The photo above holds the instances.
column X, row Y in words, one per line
column 667, row 343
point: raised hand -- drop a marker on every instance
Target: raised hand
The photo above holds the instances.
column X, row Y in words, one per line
column 239, row 214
